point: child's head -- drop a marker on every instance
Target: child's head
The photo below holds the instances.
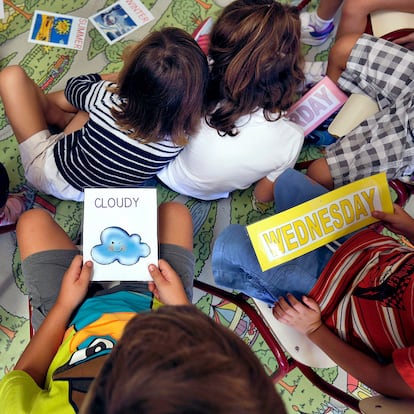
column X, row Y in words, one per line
column 178, row 360
column 162, row 86
column 256, row 50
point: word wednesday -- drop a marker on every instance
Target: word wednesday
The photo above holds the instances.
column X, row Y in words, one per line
column 303, row 228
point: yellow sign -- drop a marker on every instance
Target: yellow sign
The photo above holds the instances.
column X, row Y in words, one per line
column 313, row 224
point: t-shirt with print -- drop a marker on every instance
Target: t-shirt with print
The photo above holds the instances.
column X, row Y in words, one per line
column 366, row 295
column 89, row 339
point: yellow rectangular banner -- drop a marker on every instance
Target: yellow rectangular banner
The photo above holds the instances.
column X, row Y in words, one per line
column 310, row 225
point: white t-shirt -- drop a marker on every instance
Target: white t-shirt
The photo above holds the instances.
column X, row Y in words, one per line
column 211, row 166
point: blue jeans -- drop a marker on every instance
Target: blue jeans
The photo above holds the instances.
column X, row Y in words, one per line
column 234, row 262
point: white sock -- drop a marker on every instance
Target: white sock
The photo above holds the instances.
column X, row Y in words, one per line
column 319, row 23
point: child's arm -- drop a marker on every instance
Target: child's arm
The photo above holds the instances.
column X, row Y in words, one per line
column 58, row 98
column 306, row 318
column 111, row 77
column 42, row 348
column 399, row 222
column 167, row 286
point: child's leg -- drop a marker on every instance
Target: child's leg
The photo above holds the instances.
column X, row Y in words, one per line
column 37, row 231
column 234, row 261
column 339, row 54
column 355, row 13
column 26, row 106
column 293, row 188
column 383, row 71
column 327, row 8
column 46, row 252
column 175, row 233
column 318, row 25
column 319, row 171
column 235, row 266
column 175, row 225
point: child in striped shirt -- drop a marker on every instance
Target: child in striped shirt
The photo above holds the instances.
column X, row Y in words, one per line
column 133, row 128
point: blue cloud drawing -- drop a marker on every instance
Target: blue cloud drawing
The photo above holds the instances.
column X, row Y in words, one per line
column 118, row 245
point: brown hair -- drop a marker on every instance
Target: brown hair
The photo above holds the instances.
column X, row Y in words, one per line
column 178, row 360
column 162, row 86
column 257, row 62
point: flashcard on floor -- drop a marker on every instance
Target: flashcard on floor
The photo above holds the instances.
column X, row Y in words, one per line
column 52, row 29
column 120, row 19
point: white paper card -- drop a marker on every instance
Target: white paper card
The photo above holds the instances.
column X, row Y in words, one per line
column 387, row 21
column 52, row 29
column 120, row 19
column 120, row 232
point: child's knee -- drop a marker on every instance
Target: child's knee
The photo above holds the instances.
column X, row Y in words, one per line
column 175, row 211
column 35, row 216
column 12, row 74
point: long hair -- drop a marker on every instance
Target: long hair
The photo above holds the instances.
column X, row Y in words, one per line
column 177, row 360
column 257, row 62
column 162, row 86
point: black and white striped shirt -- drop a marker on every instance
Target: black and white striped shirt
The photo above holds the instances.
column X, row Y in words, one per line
column 100, row 154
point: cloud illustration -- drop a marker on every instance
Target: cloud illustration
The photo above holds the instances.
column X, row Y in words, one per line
column 118, row 245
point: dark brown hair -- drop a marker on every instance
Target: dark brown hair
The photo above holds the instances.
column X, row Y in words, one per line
column 178, row 360
column 162, row 86
column 257, row 62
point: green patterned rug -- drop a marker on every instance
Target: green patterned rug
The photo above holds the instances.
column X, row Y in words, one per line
column 50, row 67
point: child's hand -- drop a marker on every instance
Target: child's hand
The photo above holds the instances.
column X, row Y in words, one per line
column 304, row 317
column 398, row 222
column 75, row 284
column 406, row 41
column 167, row 286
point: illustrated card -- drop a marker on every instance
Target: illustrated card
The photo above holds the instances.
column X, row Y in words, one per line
column 60, row 30
column 120, row 19
column 120, row 232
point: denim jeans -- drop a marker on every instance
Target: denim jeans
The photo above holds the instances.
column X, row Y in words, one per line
column 234, row 262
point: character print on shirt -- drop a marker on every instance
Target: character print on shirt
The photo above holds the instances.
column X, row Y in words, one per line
column 392, row 282
column 88, row 346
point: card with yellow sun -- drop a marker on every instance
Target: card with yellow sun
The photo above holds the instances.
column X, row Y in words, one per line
column 58, row 30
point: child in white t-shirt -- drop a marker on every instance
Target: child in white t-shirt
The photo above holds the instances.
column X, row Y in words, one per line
column 256, row 71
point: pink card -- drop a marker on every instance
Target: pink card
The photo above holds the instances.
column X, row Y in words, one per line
column 321, row 101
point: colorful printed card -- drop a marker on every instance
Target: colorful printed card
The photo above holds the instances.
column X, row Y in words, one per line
column 120, row 19
column 120, row 232
column 313, row 224
column 321, row 101
column 58, row 30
